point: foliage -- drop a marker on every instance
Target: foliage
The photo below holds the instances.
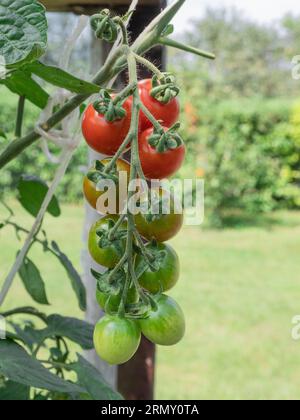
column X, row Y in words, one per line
column 252, row 58
column 248, row 152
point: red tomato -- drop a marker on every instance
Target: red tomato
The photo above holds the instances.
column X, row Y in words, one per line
column 159, row 165
column 103, row 136
column 167, row 114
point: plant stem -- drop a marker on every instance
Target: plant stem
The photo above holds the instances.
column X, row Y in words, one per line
column 168, row 42
column 22, row 254
column 125, row 93
column 122, row 25
column 25, row 311
column 20, row 115
column 151, row 118
column 116, row 227
column 146, row 63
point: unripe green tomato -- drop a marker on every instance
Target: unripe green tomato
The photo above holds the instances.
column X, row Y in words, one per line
column 168, row 274
column 166, row 326
column 116, row 339
column 114, row 301
column 107, row 257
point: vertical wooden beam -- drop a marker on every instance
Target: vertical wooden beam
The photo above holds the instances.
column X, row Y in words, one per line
column 136, row 378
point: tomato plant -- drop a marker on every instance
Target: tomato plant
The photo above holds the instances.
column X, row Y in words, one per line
column 156, row 163
column 166, row 324
column 116, row 339
column 167, row 269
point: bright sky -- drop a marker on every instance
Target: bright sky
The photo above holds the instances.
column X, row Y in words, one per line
column 259, row 10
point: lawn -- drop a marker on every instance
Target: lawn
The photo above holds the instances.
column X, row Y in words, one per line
column 239, row 289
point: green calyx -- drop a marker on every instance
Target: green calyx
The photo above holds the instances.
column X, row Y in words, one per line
column 104, row 26
column 111, row 238
column 106, row 106
column 164, row 88
column 163, row 141
column 99, row 173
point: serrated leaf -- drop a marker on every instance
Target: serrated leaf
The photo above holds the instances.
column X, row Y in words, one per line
column 32, row 192
column 33, row 282
column 23, row 31
column 91, row 379
column 73, row 275
column 18, row 366
column 22, row 84
column 12, row 391
column 61, row 78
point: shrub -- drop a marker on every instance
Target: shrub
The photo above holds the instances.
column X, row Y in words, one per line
column 248, row 151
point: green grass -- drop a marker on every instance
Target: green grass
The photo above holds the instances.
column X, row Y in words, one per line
column 239, row 289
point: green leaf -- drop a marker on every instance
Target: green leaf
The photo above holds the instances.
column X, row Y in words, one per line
column 61, row 78
column 23, row 31
column 76, row 330
column 22, row 84
column 32, row 192
column 18, row 366
column 12, row 391
column 27, row 335
column 75, row 278
column 91, row 379
column 33, row 282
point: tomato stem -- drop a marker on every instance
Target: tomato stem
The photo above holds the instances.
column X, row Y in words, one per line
column 146, row 63
column 20, row 115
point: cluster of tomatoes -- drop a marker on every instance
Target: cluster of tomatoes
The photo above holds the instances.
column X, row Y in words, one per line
column 116, row 337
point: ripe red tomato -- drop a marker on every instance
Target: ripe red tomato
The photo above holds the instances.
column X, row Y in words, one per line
column 103, row 136
column 166, row 326
column 167, row 114
column 116, row 339
column 159, row 165
column 91, row 193
column 162, row 227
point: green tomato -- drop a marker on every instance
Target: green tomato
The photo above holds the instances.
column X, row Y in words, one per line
column 108, row 256
column 116, row 339
column 114, row 301
column 168, row 273
column 166, row 325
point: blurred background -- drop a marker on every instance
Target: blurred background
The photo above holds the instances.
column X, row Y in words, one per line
column 240, row 270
